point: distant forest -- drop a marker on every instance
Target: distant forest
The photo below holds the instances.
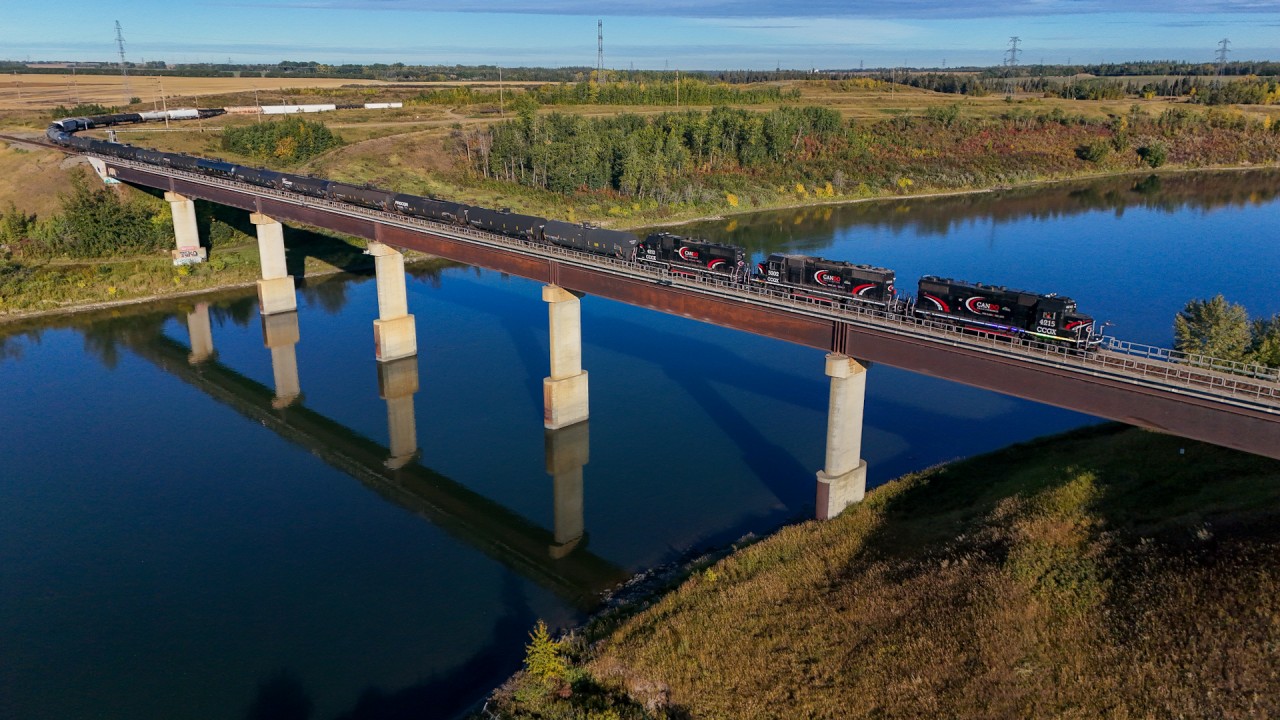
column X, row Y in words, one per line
column 1246, row 82
column 1204, row 89
column 423, row 73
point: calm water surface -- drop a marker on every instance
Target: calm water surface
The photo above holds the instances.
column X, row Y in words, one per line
column 171, row 545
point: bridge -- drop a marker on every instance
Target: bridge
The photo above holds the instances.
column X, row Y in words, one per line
column 1225, row 404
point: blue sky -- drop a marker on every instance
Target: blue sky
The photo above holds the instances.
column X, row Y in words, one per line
column 688, row 34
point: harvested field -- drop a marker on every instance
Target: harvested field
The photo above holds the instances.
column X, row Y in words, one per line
column 27, row 92
column 39, row 91
column 33, row 179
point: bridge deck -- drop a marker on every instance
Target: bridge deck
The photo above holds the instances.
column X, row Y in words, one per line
column 1202, row 404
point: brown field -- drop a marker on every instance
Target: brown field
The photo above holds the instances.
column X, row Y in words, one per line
column 37, row 92
column 32, row 179
column 33, row 92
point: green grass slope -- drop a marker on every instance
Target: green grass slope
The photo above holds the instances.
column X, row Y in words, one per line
column 1109, row 572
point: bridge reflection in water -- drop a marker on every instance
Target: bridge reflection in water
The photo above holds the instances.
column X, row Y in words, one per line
column 557, row 560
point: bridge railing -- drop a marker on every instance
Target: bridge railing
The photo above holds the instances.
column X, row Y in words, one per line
column 1169, row 367
column 1192, row 360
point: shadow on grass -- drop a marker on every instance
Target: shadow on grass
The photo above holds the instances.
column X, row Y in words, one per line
column 1150, row 485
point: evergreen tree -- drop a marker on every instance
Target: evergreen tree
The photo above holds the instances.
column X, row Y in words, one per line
column 1266, row 341
column 542, row 655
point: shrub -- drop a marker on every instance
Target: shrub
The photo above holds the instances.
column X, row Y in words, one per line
column 96, row 222
column 1094, row 152
column 15, row 225
column 1154, row 154
column 82, row 109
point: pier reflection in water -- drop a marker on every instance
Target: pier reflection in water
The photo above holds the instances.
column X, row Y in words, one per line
column 548, row 558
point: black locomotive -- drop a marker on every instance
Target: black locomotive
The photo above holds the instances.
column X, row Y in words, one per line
column 692, row 257
column 815, row 278
column 989, row 309
column 998, row 310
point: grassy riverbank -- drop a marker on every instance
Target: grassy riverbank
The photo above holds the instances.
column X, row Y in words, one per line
column 1110, row 572
column 35, row 281
column 47, row 286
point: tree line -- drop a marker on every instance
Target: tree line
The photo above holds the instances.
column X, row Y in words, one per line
column 687, row 91
column 1202, row 89
column 645, row 157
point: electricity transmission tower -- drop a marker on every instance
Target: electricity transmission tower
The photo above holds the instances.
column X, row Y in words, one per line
column 124, row 70
column 1011, row 55
column 1011, row 61
column 1223, row 49
column 599, row 52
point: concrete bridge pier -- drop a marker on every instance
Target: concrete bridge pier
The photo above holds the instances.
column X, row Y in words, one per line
column 564, row 394
column 397, row 383
column 275, row 289
column 843, row 480
column 568, row 449
column 185, row 233
column 200, row 332
column 394, row 332
column 280, row 335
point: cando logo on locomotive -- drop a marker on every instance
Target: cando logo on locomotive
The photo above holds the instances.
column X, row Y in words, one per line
column 982, row 306
column 825, row 278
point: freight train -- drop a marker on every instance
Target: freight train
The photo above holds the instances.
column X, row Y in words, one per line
column 988, row 309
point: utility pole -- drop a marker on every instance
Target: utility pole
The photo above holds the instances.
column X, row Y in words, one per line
column 164, row 103
column 501, row 112
column 124, row 70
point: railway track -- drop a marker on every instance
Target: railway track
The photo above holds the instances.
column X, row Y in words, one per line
column 39, row 142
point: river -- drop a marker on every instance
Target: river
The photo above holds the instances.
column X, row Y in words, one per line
column 178, row 541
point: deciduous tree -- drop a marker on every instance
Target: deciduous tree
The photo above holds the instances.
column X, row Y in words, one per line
column 1213, row 327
